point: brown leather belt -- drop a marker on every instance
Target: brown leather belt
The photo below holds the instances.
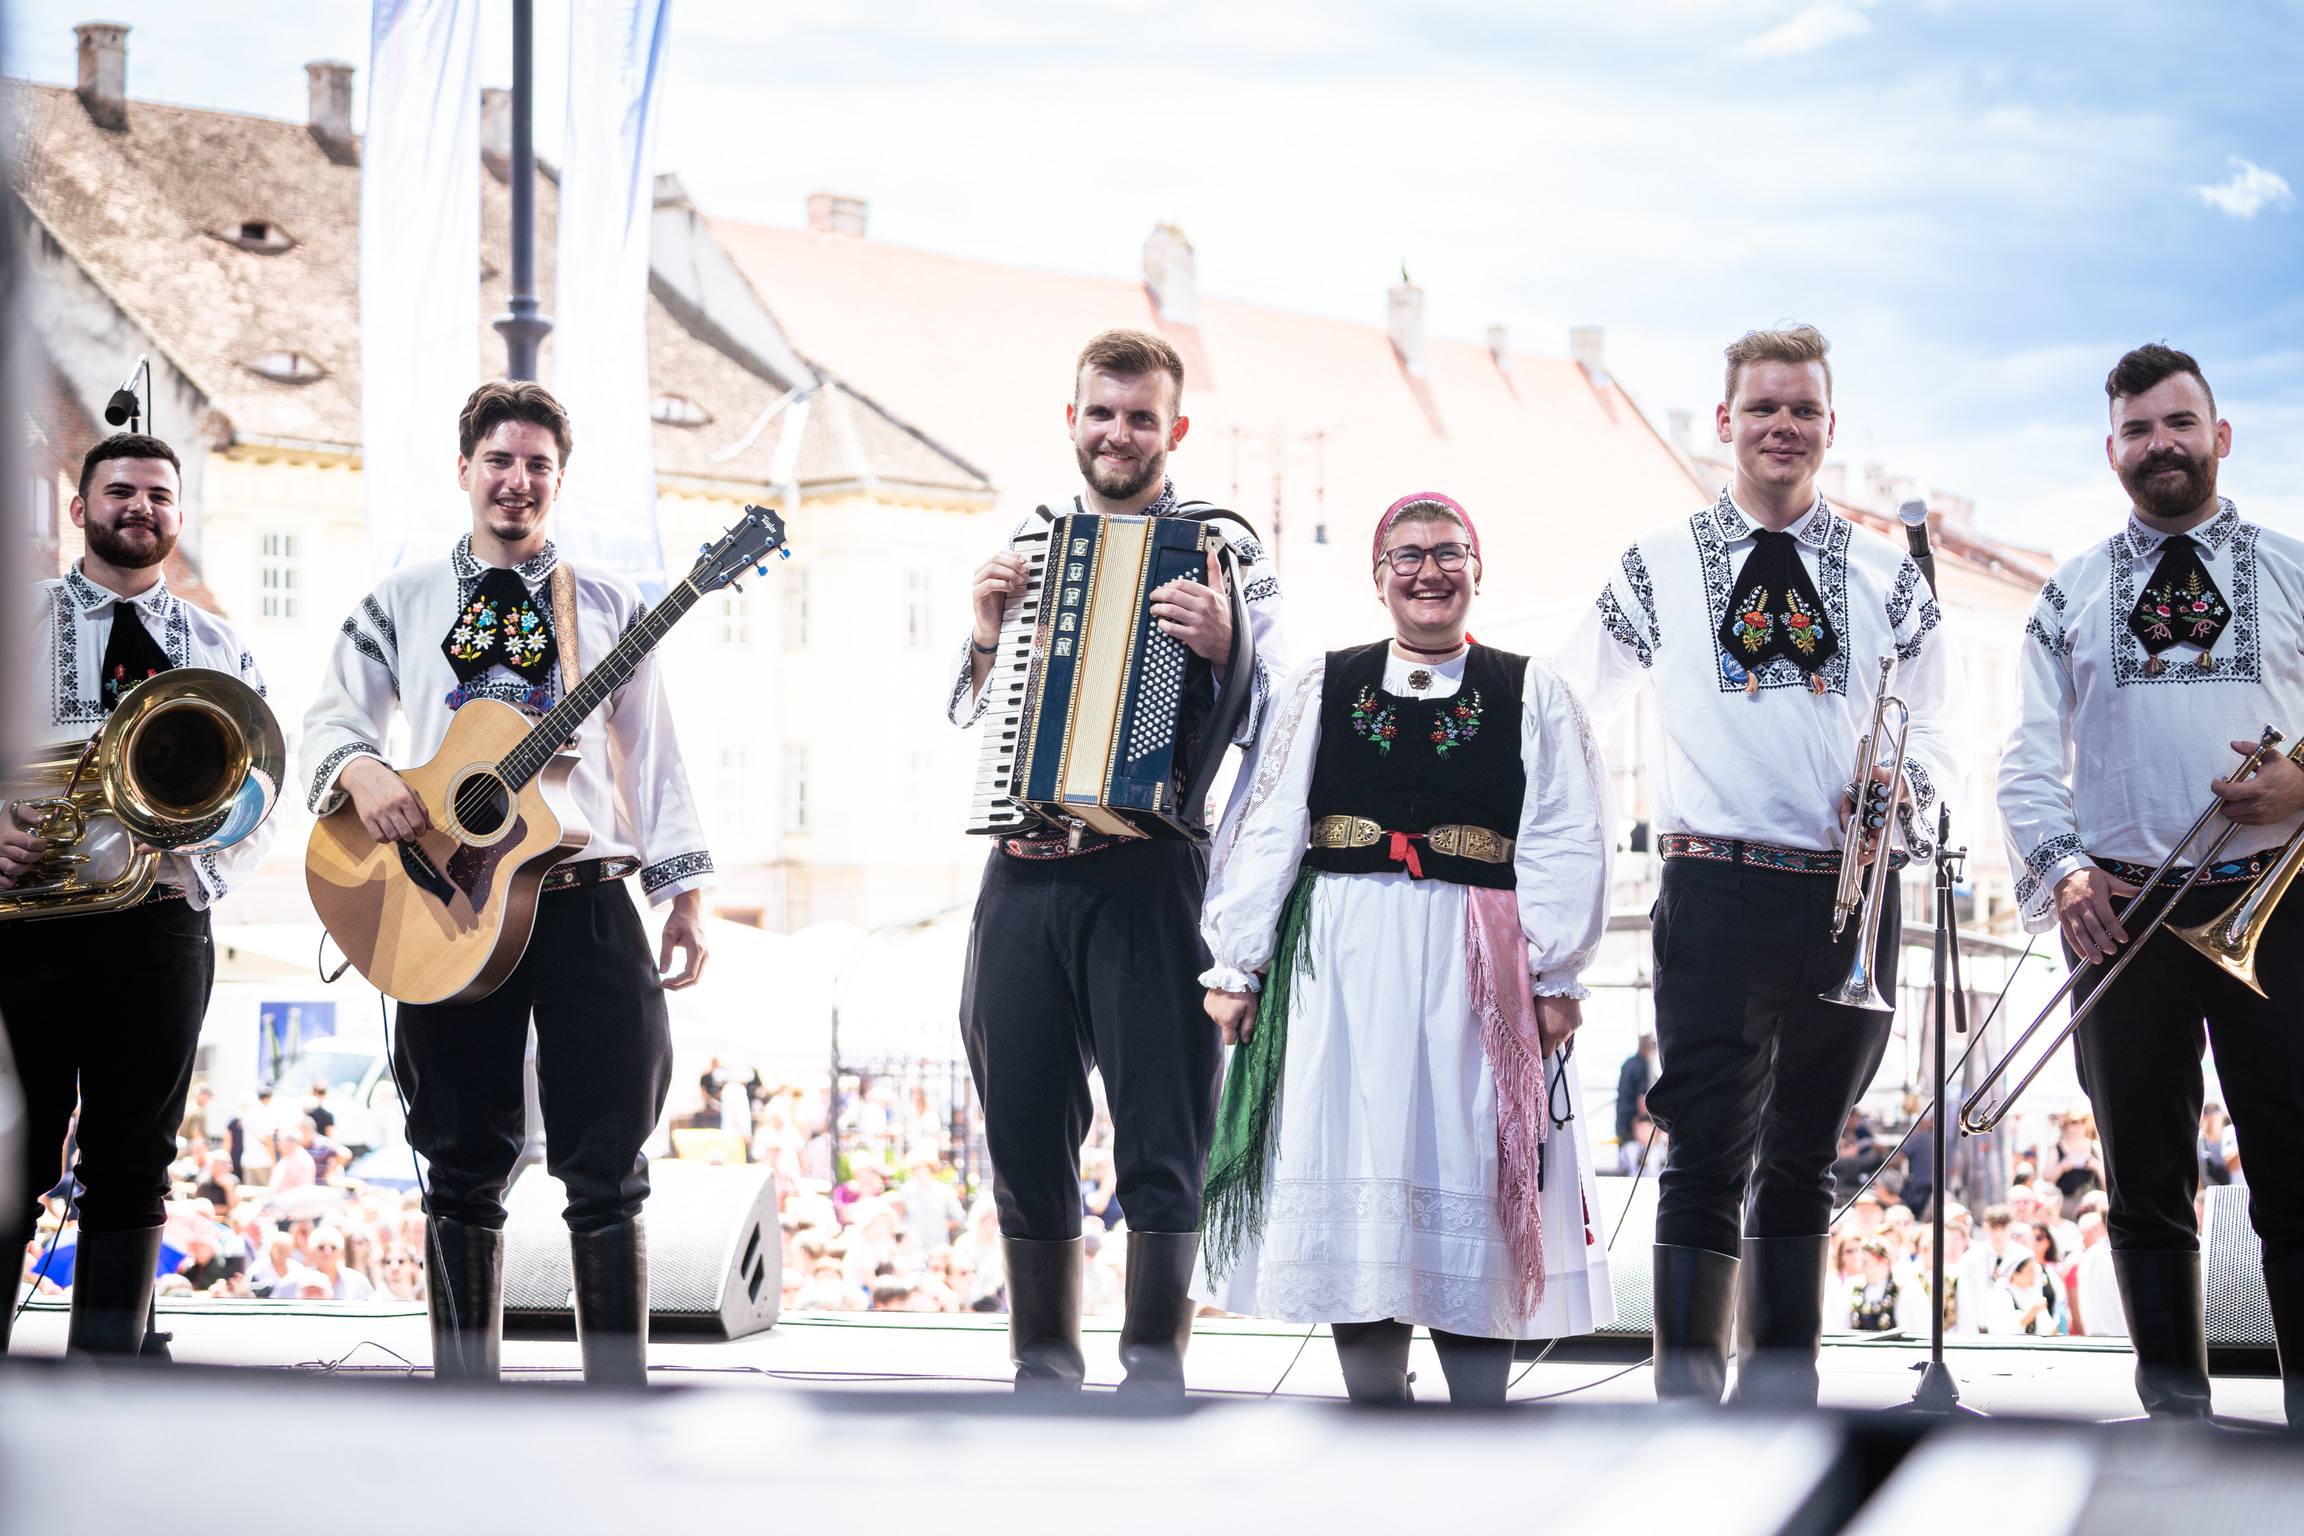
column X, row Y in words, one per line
column 567, row 877
column 1455, row 840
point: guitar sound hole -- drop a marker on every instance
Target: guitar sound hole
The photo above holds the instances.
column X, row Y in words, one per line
column 483, row 804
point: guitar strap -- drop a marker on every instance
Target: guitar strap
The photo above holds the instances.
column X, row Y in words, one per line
column 564, row 625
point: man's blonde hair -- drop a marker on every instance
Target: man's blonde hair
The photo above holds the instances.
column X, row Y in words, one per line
column 1791, row 344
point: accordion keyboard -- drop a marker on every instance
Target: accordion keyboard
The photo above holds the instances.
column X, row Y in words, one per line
column 993, row 811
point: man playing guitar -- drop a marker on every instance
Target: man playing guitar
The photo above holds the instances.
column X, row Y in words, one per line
column 482, row 624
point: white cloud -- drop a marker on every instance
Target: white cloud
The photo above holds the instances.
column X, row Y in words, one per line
column 2248, row 191
column 1819, row 26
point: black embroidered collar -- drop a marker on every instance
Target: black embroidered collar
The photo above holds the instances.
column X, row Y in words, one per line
column 531, row 570
column 89, row 598
column 2211, row 536
column 1814, row 529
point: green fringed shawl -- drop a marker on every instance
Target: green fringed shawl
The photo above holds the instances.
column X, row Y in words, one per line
column 1248, row 1125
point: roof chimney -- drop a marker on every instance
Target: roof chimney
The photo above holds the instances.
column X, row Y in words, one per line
column 835, row 214
column 1585, row 344
column 1500, row 348
column 104, row 72
column 496, row 124
column 1406, row 325
column 331, row 88
column 1172, row 275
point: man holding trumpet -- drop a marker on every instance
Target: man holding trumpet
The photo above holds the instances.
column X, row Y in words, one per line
column 2148, row 661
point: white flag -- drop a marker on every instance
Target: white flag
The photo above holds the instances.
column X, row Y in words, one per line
column 419, row 272
column 607, row 510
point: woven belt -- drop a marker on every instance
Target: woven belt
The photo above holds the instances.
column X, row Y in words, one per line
column 1053, row 847
column 1455, row 840
column 1734, row 850
column 2226, row 872
column 566, row 877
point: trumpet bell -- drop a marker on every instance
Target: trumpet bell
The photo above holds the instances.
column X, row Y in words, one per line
column 192, row 760
column 1859, row 989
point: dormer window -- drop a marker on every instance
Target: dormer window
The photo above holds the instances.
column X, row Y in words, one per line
column 678, row 411
column 262, row 236
column 288, row 367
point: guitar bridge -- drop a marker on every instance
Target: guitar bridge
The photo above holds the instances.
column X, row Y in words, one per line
column 421, row 870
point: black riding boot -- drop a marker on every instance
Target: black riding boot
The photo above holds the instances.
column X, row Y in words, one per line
column 1780, row 1320
column 1158, row 1326
column 2284, row 1283
column 467, row 1301
column 611, row 1271
column 112, row 1277
column 1478, row 1369
column 1695, row 1301
column 2160, row 1292
column 1374, row 1358
column 1044, row 1313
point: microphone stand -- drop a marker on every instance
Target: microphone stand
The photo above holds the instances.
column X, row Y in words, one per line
column 1938, row 1392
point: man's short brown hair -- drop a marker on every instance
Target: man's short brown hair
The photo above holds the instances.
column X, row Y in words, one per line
column 2148, row 367
column 126, row 445
column 502, row 400
column 1791, row 344
column 1131, row 354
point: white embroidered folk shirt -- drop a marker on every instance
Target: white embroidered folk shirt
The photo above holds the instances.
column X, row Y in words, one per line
column 2112, row 758
column 1259, row 588
column 629, row 783
column 1770, row 765
column 75, row 618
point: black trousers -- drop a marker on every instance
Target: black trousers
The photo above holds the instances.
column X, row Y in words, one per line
column 1759, row 1072
column 1093, row 961
column 2140, row 1064
column 603, row 1066
column 105, row 1010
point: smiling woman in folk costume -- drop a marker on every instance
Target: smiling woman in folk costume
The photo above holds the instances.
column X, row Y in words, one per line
column 1417, row 880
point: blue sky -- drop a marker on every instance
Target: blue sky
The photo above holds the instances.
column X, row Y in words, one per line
column 1982, row 204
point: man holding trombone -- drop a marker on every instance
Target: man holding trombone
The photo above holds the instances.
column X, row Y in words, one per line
column 1772, row 629
column 2144, row 657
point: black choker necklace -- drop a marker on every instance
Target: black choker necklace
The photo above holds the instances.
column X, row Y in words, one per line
column 1443, row 651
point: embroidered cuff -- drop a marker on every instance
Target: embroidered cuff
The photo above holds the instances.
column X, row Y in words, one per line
column 1225, row 978
column 2046, row 869
column 1560, row 986
column 325, row 797
column 685, row 870
column 965, row 708
column 1259, row 697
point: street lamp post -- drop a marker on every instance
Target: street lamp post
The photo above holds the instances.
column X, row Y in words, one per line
column 524, row 329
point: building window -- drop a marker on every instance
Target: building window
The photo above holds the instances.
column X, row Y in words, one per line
column 917, row 616
column 678, row 411
column 735, row 619
column 280, row 577
column 795, row 608
column 736, row 791
column 795, row 789
column 289, row 367
column 40, row 513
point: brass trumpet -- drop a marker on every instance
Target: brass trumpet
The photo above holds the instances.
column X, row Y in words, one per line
column 190, row 761
column 1875, row 813
column 1975, row 1121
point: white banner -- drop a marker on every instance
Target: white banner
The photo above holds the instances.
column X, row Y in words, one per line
column 419, row 272
column 607, row 513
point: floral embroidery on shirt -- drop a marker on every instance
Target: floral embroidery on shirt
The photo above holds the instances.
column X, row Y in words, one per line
column 1458, row 723
column 1372, row 719
column 468, row 641
column 1752, row 627
column 1801, row 624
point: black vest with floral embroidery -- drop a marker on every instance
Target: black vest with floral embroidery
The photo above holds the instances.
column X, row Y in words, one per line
column 1410, row 765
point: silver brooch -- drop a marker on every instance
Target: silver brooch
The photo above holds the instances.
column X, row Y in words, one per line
column 1419, row 679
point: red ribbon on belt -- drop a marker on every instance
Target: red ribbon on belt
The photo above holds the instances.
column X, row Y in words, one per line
column 1403, row 851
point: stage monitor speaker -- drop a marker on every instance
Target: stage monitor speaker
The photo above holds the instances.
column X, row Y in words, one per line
column 715, row 1251
column 2232, row 1273
column 1630, row 1274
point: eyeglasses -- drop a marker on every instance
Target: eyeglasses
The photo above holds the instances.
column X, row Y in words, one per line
column 1408, row 559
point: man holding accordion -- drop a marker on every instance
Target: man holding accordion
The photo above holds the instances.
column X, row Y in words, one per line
column 2148, row 662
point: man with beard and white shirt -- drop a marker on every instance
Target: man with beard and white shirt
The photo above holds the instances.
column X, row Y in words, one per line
column 104, row 1009
column 1088, row 953
column 2149, row 662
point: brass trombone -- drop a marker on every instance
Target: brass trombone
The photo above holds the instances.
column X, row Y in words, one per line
column 1875, row 812
column 1976, row 1122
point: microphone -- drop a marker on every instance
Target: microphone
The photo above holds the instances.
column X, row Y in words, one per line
column 1915, row 516
column 123, row 408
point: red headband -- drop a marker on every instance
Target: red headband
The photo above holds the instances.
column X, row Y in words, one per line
column 1392, row 515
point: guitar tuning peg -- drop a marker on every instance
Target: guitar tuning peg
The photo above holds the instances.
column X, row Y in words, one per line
column 704, row 549
column 762, row 569
column 739, row 586
column 784, row 554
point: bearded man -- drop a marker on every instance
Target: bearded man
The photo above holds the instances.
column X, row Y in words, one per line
column 1087, row 953
column 104, row 1009
column 2144, row 657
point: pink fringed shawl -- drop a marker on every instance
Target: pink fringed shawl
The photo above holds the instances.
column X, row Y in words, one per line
column 1496, row 965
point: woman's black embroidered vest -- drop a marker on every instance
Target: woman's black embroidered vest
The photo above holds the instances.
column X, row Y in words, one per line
column 1410, row 765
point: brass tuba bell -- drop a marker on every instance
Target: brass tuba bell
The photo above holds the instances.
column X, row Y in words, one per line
column 191, row 761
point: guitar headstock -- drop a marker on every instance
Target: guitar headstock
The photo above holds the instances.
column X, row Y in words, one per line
column 757, row 535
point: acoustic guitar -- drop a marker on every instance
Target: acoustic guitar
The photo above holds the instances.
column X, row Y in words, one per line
column 444, row 917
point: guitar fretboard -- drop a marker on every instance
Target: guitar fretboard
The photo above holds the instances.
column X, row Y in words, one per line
column 527, row 760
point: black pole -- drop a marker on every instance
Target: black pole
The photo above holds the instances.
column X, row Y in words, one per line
column 524, row 329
